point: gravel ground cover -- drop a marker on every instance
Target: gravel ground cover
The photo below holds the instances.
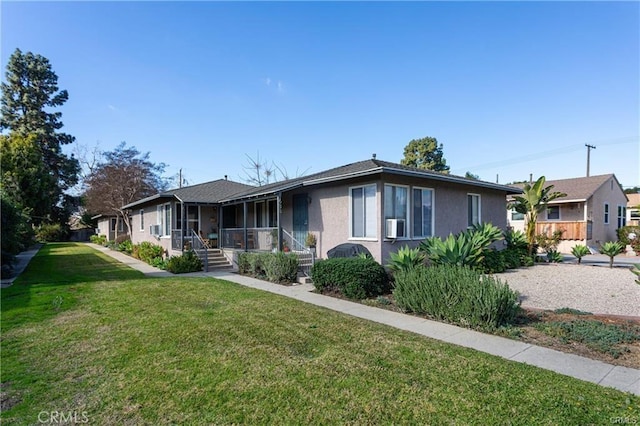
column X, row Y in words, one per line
column 597, row 289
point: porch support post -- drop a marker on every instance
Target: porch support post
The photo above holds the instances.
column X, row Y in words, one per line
column 278, row 224
column 182, row 226
column 244, row 219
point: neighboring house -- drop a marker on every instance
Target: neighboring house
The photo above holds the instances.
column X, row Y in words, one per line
column 590, row 214
column 633, row 209
column 110, row 225
column 378, row 204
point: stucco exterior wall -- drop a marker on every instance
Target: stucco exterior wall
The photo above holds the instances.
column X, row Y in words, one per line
column 610, row 193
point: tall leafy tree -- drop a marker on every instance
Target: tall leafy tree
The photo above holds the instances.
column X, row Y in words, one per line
column 30, row 91
column 123, row 176
column 532, row 202
column 425, row 154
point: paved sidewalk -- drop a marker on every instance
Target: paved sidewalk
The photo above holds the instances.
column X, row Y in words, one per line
column 622, row 378
column 22, row 260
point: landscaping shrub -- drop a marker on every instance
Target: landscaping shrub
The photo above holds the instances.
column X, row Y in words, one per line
column 493, row 262
column 147, row 251
column 611, row 249
column 49, row 232
column 243, row 263
column 354, row 277
column 634, row 242
column 464, row 249
column 123, row 244
column 513, row 258
column 98, row 239
column 456, row 294
column 554, row 256
column 280, row 267
column 187, row 262
column 405, row 258
column 580, row 251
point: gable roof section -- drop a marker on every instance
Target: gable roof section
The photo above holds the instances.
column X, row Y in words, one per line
column 208, row 192
column 362, row 168
column 578, row 189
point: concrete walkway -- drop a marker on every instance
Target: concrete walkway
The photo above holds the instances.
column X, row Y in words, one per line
column 622, row 378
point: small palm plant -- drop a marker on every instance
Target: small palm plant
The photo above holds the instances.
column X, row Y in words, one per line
column 611, row 249
column 580, row 251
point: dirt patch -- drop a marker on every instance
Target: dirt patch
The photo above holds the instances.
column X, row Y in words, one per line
column 7, row 398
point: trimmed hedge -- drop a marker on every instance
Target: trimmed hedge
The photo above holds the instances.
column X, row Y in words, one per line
column 187, row 262
column 354, row 277
column 147, row 251
column 456, row 294
column 280, row 268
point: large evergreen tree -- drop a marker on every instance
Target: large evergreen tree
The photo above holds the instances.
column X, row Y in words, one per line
column 29, row 92
column 425, row 154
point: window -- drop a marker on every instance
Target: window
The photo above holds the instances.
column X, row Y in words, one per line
column 163, row 218
column 141, row 212
column 363, row 212
column 622, row 216
column 606, row 213
column 396, row 205
column 266, row 214
column 553, row 212
column 193, row 218
column 473, row 209
column 422, row 212
column 634, row 214
column 113, row 222
column 516, row 216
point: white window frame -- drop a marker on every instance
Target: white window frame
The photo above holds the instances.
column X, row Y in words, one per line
column 607, row 213
column 433, row 211
column 141, row 213
column 470, row 222
column 189, row 221
column 388, row 186
column 373, row 236
column 161, row 216
column 512, row 212
column 547, row 213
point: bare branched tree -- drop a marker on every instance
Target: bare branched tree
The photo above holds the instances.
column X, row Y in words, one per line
column 262, row 172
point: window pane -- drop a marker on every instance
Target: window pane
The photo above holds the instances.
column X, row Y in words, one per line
column 473, row 212
column 427, row 212
column 553, row 213
column 370, row 211
column 167, row 219
column 417, row 213
column 357, row 212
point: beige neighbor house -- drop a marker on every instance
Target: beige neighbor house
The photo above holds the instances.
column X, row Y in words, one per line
column 633, row 209
column 377, row 204
column 110, row 226
column 590, row 214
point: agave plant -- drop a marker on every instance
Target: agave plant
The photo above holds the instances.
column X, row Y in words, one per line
column 580, row 251
column 611, row 249
column 516, row 239
column 405, row 258
column 465, row 249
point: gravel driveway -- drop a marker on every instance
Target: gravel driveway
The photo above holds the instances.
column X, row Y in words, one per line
column 595, row 289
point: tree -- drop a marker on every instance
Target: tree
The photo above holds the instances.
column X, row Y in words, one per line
column 533, row 201
column 31, row 88
column 470, row 175
column 425, row 154
column 261, row 172
column 123, row 177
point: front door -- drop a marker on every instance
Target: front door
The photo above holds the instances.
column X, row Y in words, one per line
column 300, row 217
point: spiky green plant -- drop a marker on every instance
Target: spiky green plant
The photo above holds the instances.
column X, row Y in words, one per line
column 580, row 251
column 465, row 249
column 405, row 258
column 636, row 270
column 611, row 249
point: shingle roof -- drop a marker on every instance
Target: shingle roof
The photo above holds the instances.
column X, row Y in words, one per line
column 577, row 189
column 361, row 168
column 208, row 192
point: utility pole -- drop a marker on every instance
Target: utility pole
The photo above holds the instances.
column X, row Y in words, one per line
column 589, row 147
column 180, row 177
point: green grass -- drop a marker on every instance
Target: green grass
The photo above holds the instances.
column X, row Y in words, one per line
column 125, row 349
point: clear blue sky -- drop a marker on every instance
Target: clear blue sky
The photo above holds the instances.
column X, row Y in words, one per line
column 509, row 88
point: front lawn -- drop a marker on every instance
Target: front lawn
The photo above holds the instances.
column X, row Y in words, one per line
column 83, row 334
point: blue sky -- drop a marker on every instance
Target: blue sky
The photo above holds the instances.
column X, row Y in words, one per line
column 508, row 88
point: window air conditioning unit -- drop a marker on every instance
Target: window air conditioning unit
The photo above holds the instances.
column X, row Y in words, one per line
column 395, row 228
column 154, row 230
